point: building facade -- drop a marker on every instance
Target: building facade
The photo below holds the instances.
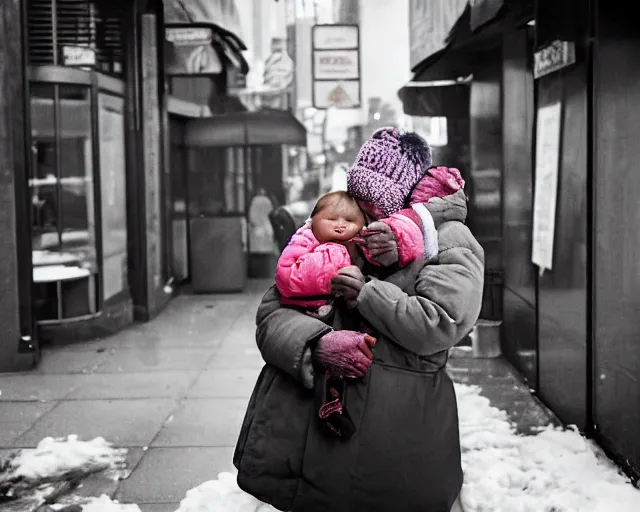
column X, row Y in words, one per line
column 552, row 103
column 83, row 183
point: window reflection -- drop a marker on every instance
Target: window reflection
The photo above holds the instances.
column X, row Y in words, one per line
column 61, row 183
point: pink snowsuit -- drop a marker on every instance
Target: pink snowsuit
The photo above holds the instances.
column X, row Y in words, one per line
column 306, row 267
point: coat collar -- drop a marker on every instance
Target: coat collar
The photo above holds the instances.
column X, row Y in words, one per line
column 449, row 208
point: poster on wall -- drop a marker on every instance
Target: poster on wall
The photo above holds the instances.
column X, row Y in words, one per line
column 113, row 191
column 546, row 184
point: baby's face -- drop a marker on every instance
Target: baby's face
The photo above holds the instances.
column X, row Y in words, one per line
column 337, row 223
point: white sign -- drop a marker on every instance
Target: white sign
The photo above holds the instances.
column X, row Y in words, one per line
column 335, row 37
column 546, row 185
column 336, row 66
column 78, row 56
column 189, row 36
column 279, row 70
column 336, row 94
column 557, row 55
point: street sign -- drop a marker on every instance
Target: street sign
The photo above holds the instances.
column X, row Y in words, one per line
column 555, row 56
column 78, row 56
column 336, row 66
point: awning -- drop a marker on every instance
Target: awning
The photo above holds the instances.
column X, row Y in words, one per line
column 477, row 30
column 201, row 49
column 483, row 11
column 261, row 128
column 435, row 99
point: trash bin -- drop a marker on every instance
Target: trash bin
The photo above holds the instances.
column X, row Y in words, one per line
column 492, row 295
column 218, row 254
column 486, row 339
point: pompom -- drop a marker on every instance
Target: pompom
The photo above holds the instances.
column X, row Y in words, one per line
column 417, row 147
column 388, row 132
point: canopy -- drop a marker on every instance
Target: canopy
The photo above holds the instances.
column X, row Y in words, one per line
column 261, row 128
column 435, row 99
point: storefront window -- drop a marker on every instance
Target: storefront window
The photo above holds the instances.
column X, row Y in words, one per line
column 113, row 193
column 434, row 129
column 61, row 183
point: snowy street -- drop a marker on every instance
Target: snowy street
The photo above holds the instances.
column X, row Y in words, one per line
column 173, row 393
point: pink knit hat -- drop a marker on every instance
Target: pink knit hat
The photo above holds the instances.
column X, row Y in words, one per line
column 387, row 168
column 438, row 182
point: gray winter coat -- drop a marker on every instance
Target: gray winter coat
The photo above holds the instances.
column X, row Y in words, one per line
column 405, row 454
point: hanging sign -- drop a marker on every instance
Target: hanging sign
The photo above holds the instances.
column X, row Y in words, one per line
column 546, row 185
column 279, row 69
column 336, row 66
column 189, row 51
column 78, row 56
column 554, row 57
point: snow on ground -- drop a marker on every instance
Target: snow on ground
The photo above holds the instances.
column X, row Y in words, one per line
column 54, row 458
column 554, row 470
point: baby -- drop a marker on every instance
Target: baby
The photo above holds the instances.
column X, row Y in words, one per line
column 328, row 242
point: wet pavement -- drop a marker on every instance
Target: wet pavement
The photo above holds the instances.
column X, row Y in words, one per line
column 174, row 392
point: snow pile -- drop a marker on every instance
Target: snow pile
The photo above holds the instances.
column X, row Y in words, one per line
column 101, row 504
column 554, row 470
column 56, row 459
column 104, row 504
column 221, row 495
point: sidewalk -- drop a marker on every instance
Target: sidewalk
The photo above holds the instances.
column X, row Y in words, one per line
column 174, row 391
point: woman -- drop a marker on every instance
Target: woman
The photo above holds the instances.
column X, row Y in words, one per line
column 403, row 453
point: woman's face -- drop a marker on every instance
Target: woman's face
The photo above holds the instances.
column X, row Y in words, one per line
column 372, row 211
column 337, row 224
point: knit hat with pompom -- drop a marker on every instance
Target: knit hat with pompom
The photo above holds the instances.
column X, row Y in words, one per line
column 387, row 168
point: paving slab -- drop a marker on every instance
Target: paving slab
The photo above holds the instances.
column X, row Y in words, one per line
column 156, row 359
column 235, row 362
column 203, row 422
column 159, row 507
column 163, row 384
column 122, row 422
column 69, row 363
column 225, row 383
column 17, row 418
column 30, row 387
column 166, row 474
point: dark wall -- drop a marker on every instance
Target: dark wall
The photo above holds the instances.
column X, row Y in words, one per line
column 486, row 156
column 562, row 299
column 15, row 267
column 520, row 316
column 617, row 233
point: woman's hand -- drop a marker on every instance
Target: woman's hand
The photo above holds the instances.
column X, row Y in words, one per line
column 381, row 243
column 345, row 353
column 348, row 284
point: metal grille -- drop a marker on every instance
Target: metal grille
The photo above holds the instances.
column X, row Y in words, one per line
column 52, row 24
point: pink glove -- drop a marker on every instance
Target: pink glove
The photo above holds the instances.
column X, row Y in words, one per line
column 345, row 353
column 381, row 243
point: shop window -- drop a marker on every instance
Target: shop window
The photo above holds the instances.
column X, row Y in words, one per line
column 62, row 196
column 434, row 129
column 61, row 184
column 113, row 193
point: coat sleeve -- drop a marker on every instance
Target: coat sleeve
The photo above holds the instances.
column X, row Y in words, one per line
column 305, row 267
column 408, row 237
column 445, row 307
column 285, row 336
